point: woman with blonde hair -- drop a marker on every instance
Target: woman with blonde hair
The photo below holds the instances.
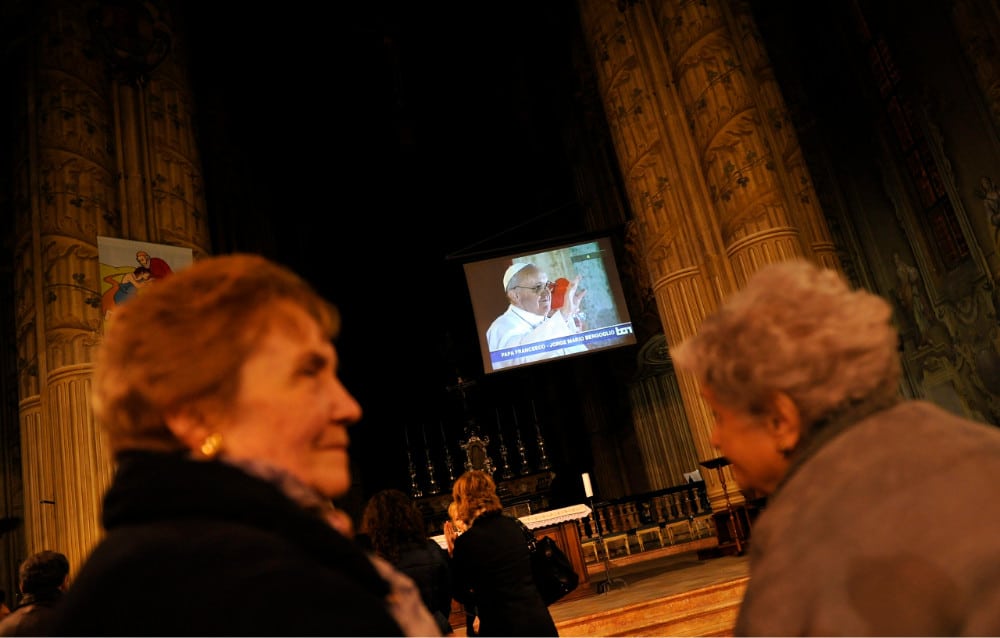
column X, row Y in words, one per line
column 491, row 563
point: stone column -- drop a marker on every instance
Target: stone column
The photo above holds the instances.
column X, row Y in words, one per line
column 662, row 431
column 714, row 174
column 977, row 23
column 103, row 150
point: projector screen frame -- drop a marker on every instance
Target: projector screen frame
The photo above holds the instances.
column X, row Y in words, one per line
column 606, row 318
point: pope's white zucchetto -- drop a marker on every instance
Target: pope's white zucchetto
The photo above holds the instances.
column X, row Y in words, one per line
column 512, row 270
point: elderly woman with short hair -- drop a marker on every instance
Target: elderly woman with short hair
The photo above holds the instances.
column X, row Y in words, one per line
column 868, row 493
column 218, row 391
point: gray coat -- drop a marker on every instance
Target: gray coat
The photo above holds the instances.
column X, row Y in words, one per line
column 889, row 526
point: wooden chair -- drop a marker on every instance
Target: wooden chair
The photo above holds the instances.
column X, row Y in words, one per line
column 613, row 520
column 675, row 528
column 649, row 530
column 589, row 547
column 588, row 541
column 703, row 526
column 612, row 540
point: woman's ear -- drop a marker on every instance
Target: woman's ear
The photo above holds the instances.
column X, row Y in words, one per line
column 786, row 423
column 188, row 426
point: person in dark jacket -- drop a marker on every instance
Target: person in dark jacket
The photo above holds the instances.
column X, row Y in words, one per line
column 393, row 528
column 218, row 393
column 491, row 563
column 42, row 579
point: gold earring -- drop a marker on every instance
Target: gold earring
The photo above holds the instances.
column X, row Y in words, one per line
column 211, row 445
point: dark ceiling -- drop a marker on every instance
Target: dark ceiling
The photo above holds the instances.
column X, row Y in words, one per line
column 376, row 148
column 373, row 150
column 373, row 146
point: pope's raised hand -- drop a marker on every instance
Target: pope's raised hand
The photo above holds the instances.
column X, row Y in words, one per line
column 574, row 293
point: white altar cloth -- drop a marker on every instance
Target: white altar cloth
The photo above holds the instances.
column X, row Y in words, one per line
column 540, row 519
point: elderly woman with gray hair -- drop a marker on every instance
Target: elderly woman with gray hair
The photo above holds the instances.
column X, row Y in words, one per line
column 873, row 524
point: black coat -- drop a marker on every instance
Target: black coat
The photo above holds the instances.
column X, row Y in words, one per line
column 491, row 568
column 203, row 548
column 427, row 564
column 32, row 616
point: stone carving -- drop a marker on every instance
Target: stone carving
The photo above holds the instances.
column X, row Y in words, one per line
column 909, row 296
column 989, row 192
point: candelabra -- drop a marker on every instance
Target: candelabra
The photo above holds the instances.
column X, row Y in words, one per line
column 521, row 450
column 543, row 459
column 432, row 485
column 415, row 490
column 505, row 471
column 447, row 457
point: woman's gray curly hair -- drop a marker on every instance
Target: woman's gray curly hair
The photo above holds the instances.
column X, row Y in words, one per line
column 799, row 329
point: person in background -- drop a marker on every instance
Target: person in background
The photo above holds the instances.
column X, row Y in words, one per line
column 4, row 609
column 491, row 563
column 866, row 490
column 42, row 579
column 157, row 266
column 529, row 317
column 393, row 528
column 218, row 393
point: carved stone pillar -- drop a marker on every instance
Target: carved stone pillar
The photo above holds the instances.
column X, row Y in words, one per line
column 661, row 426
column 792, row 184
column 99, row 152
column 977, row 24
column 714, row 173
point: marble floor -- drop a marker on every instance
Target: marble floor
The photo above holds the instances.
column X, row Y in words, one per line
column 678, row 595
column 673, row 595
column 653, row 579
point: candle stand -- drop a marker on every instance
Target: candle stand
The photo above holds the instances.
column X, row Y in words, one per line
column 608, row 583
column 734, row 520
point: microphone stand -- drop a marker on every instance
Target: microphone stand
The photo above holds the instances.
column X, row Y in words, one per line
column 608, row 583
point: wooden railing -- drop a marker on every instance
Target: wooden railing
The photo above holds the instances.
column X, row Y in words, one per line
column 636, row 523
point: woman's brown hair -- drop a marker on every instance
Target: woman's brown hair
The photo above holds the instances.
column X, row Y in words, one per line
column 475, row 493
column 391, row 520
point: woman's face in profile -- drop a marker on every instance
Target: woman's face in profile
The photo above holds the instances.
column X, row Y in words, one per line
column 749, row 444
column 291, row 410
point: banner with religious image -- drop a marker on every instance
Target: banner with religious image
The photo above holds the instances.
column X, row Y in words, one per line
column 128, row 266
